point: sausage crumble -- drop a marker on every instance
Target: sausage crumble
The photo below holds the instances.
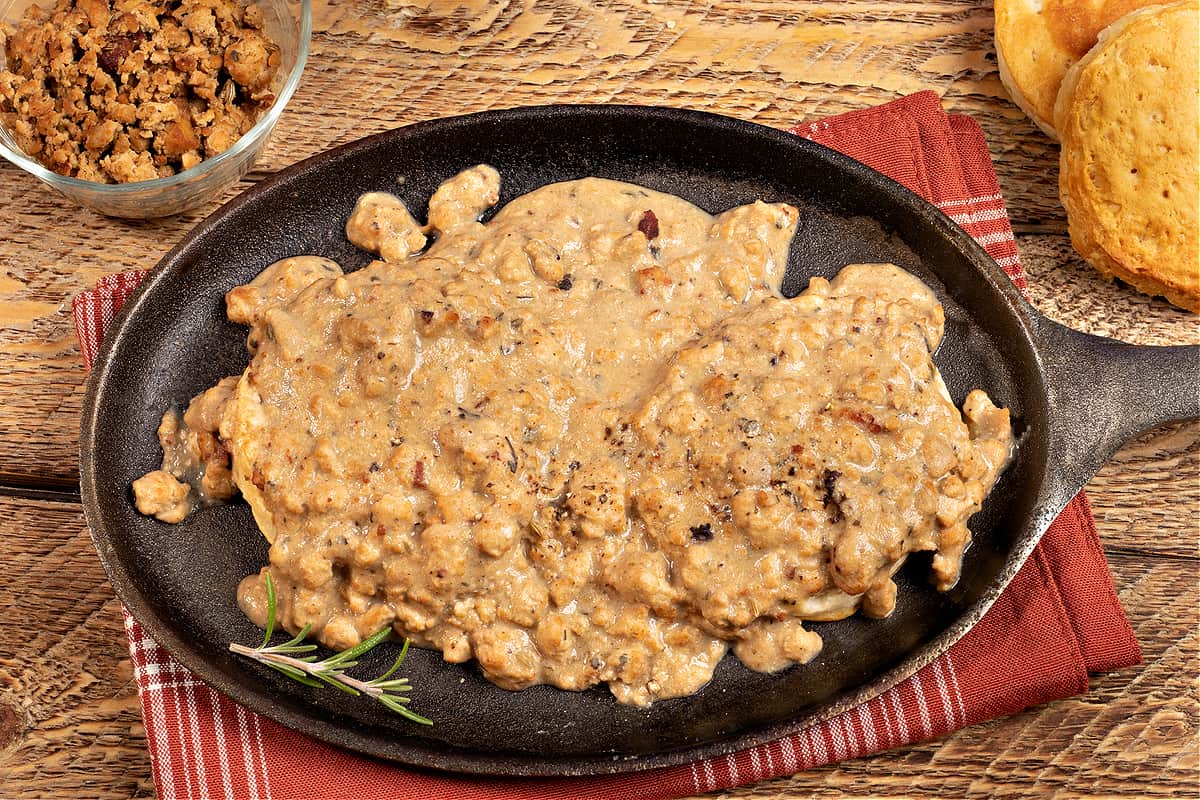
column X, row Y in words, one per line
column 116, row 91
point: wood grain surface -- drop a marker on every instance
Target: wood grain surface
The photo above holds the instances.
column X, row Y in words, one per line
column 69, row 723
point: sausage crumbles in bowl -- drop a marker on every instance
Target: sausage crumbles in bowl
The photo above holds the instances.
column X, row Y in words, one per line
column 140, row 108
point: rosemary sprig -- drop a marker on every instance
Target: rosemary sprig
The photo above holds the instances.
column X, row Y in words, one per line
column 287, row 658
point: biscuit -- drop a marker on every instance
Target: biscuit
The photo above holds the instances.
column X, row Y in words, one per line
column 1130, row 125
column 1038, row 40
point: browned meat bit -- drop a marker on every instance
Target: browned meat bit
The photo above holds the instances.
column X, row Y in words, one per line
column 864, row 419
column 117, row 48
column 135, row 90
column 648, row 225
column 419, row 475
column 651, row 278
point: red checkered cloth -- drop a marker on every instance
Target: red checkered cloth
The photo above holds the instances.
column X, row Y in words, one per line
column 1057, row 621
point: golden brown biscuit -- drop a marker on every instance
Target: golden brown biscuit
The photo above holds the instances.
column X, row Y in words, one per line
column 1037, row 40
column 1128, row 115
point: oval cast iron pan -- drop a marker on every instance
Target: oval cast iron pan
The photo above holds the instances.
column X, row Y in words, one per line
column 1074, row 400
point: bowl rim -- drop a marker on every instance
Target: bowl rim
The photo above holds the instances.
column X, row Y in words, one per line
column 260, row 127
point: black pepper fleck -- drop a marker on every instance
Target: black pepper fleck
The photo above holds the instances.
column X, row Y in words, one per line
column 832, row 499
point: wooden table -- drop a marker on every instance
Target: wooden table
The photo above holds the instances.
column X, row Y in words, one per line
column 69, row 722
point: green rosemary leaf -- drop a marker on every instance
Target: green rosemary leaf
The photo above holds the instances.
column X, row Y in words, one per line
column 293, row 673
column 295, row 648
column 404, row 712
column 362, row 647
column 270, row 609
column 332, row 678
column 299, row 637
column 285, row 659
column 399, row 660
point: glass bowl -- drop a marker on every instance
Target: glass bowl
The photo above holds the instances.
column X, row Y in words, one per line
column 289, row 25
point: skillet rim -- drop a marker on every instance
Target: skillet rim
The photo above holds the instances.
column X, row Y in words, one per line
column 1016, row 308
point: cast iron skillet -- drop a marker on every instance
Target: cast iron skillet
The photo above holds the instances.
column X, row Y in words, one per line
column 1074, row 398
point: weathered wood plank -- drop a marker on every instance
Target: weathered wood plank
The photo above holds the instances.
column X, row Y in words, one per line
column 69, row 719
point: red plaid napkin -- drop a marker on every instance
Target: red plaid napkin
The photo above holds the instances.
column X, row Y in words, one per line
column 1056, row 622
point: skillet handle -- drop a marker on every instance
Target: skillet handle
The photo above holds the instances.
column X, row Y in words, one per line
column 1105, row 392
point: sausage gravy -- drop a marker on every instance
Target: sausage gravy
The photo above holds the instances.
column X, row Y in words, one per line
column 585, row 442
